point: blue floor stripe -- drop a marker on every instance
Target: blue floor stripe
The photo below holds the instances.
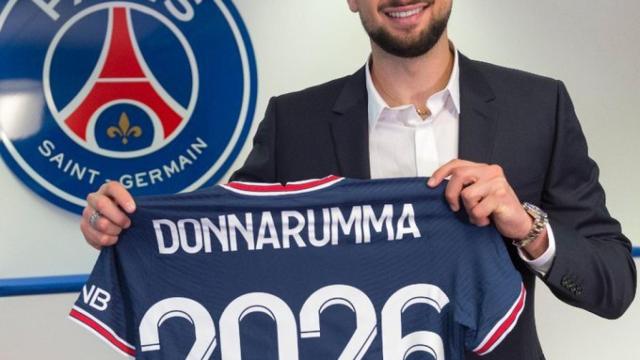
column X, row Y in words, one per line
column 74, row 283
column 42, row 285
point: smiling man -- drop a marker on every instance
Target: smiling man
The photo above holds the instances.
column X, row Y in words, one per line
column 509, row 141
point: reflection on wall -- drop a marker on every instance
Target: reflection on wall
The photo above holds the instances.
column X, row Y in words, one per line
column 21, row 108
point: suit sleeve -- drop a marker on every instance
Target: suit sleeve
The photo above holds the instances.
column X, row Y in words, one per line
column 260, row 165
column 593, row 268
column 100, row 308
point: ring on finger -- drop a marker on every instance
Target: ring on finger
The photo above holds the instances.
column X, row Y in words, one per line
column 94, row 218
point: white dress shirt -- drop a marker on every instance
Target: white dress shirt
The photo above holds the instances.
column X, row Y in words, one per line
column 402, row 144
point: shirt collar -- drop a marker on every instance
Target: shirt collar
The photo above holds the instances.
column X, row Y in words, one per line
column 376, row 103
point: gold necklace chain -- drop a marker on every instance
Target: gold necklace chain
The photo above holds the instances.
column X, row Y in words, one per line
column 422, row 111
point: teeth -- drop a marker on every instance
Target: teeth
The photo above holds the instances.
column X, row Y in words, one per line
column 404, row 14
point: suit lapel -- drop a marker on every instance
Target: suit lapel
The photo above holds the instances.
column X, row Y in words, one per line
column 478, row 114
column 350, row 128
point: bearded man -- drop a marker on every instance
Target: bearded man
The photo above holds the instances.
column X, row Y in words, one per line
column 420, row 108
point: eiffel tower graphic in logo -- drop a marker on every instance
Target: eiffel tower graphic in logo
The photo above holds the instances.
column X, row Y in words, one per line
column 123, row 77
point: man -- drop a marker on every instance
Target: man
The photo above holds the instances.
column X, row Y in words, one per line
column 419, row 108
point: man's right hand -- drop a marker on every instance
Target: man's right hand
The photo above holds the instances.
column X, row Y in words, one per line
column 113, row 203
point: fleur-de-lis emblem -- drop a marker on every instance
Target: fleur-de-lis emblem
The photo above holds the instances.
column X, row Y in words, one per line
column 124, row 129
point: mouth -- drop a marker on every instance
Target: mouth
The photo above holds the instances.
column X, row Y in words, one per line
column 406, row 12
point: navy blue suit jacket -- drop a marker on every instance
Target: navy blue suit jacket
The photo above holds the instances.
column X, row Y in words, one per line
column 522, row 122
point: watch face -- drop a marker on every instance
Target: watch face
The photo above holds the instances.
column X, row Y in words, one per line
column 539, row 222
column 534, row 211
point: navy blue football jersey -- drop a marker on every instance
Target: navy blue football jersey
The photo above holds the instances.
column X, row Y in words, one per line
column 329, row 268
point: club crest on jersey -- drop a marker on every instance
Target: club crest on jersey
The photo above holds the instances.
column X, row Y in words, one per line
column 157, row 95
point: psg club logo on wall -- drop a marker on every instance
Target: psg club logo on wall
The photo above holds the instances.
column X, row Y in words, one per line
column 158, row 95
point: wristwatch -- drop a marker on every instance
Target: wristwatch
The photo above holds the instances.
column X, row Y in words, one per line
column 540, row 221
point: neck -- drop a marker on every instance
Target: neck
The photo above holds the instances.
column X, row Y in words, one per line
column 402, row 81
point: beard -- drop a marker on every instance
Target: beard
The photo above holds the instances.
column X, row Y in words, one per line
column 406, row 46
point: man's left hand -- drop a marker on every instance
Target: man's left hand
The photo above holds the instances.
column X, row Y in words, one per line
column 488, row 197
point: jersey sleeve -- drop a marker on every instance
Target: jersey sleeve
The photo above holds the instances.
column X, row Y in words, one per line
column 100, row 307
column 497, row 296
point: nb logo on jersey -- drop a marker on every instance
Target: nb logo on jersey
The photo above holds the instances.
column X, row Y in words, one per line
column 96, row 297
column 157, row 95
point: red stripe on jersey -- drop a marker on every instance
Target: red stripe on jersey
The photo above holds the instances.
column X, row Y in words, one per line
column 505, row 326
column 297, row 186
column 106, row 334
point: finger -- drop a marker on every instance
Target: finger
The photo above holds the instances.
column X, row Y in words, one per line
column 461, row 177
column 95, row 238
column 119, row 194
column 102, row 224
column 472, row 194
column 84, row 228
column 445, row 170
column 480, row 214
column 108, row 209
